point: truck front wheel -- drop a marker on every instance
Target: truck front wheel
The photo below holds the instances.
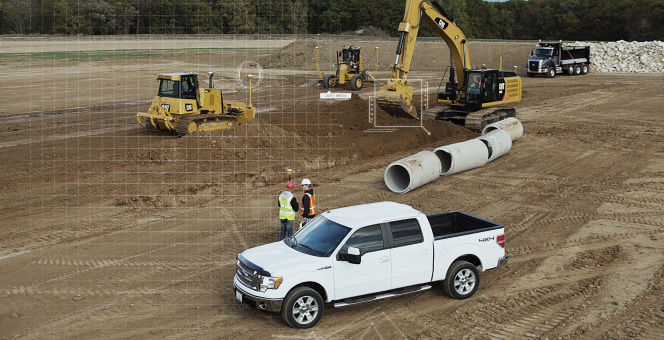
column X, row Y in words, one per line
column 551, row 73
column 302, row 308
column 462, row 280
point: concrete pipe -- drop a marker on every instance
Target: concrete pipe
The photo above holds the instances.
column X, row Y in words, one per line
column 462, row 156
column 511, row 125
column 498, row 143
column 412, row 172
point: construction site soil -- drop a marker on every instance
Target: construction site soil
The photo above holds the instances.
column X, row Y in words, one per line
column 111, row 232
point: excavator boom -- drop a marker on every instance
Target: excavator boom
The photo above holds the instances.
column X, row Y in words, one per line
column 396, row 97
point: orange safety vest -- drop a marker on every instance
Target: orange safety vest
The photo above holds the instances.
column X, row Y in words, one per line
column 312, row 208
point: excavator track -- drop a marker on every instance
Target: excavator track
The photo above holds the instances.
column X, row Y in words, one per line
column 477, row 120
column 206, row 122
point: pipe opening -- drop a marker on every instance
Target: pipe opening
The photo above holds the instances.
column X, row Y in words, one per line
column 489, row 129
column 445, row 160
column 397, row 178
column 488, row 147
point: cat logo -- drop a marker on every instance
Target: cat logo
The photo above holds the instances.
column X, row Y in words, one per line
column 442, row 23
column 501, row 86
column 188, row 107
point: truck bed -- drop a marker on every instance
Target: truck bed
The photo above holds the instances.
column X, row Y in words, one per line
column 457, row 223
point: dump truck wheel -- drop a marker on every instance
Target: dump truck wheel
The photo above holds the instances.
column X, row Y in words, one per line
column 570, row 70
column 531, row 75
column 584, row 69
column 356, row 82
column 327, row 81
column 577, row 70
column 551, row 73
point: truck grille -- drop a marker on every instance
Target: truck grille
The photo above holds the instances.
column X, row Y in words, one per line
column 534, row 66
column 245, row 275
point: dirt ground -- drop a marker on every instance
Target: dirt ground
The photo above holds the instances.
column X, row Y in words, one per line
column 110, row 232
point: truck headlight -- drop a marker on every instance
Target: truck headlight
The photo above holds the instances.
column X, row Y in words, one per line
column 270, row 282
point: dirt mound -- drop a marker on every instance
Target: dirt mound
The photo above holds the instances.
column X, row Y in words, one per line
column 429, row 55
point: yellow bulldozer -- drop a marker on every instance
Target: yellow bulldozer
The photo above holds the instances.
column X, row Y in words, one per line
column 351, row 69
column 472, row 97
column 182, row 107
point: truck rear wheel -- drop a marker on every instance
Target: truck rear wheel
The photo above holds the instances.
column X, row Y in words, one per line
column 577, row 70
column 584, row 69
column 302, row 308
column 462, row 280
column 570, row 70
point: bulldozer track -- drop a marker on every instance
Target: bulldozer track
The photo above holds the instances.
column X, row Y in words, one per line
column 476, row 121
column 182, row 127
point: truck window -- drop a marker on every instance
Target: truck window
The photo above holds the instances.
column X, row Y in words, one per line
column 321, row 237
column 366, row 239
column 406, row 232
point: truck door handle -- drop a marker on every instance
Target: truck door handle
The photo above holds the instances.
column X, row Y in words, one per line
column 424, row 252
column 384, row 259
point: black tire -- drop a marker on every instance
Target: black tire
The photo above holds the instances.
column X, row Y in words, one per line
column 577, row 70
column 531, row 75
column 570, row 70
column 327, row 81
column 462, row 280
column 551, row 72
column 584, row 69
column 356, row 82
column 299, row 305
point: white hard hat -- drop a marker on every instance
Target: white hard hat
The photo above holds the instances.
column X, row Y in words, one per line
column 306, row 181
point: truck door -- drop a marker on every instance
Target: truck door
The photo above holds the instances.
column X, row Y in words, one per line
column 412, row 258
column 374, row 272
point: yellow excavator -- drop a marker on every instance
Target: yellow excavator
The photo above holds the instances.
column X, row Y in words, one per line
column 472, row 100
column 182, row 107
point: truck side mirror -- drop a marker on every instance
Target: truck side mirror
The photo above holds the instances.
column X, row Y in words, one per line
column 351, row 256
column 531, row 53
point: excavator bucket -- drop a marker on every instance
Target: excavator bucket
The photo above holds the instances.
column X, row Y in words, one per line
column 397, row 103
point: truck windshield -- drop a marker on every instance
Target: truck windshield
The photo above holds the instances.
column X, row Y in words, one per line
column 320, row 237
column 544, row 52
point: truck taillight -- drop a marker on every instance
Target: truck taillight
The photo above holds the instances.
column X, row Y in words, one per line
column 501, row 240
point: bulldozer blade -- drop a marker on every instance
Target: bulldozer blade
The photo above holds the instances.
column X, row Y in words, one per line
column 397, row 103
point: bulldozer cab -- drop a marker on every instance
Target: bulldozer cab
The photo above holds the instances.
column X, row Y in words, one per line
column 178, row 85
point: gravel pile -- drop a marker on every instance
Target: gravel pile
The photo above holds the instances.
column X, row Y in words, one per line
column 623, row 56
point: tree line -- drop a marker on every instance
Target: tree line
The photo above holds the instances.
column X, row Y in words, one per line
column 604, row 20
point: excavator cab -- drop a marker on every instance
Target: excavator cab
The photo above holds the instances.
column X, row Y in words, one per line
column 481, row 87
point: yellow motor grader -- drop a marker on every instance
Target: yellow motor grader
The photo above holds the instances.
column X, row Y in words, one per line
column 182, row 107
column 350, row 70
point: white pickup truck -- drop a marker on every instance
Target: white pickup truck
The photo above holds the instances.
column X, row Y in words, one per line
column 364, row 253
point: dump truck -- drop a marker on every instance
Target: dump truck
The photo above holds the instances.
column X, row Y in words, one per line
column 554, row 58
column 351, row 69
column 473, row 98
column 182, row 107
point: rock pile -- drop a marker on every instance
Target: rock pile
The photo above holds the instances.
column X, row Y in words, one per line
column 623, row 56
